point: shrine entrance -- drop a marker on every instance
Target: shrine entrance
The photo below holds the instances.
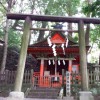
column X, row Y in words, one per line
column 51, row 73
column 61, row 64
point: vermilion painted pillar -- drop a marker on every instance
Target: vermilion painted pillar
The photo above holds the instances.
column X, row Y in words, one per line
column 41, row 73
column 70, row 66
column 42, row 68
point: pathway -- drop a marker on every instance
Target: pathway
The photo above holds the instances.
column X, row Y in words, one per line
column 8, row 98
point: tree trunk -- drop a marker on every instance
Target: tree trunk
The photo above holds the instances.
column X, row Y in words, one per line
column 3, row 64
column 41, row 34
column 32, row 11
column 87, row 35
column 44, row 24
column 70, row 27
column 70, row 24
column 23, row 54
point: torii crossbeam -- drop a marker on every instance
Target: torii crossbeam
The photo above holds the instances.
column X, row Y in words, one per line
column 53, row 18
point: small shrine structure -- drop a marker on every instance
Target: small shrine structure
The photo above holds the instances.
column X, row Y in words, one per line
column 55, row 53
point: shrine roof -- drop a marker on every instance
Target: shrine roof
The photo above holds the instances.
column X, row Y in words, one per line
column 44, row 43
column 42, row 47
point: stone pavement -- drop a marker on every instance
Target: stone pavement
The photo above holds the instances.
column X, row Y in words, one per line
column 8, row 98
column 1, row 98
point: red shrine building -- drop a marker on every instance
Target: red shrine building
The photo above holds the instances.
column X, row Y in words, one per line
column 61, row 53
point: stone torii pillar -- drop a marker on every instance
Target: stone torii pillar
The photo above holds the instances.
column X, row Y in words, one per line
column 85, row 94
column 22, row 59
column 83, row 58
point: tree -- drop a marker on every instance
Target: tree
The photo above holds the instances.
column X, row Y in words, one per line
column 93, row 9
column 71, row 8
column 95, row 36
column 87, row 33
column 14, row 38
column 51, row 7
column 10, row 3
column 60, row 8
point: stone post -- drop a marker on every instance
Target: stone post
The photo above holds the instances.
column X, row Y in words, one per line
column 83, row 59
column 84, row 94
column 21, row 63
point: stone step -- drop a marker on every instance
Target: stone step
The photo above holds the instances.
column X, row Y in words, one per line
column 43, row 93
column 43, row 90
column 49, row 93
column 42, row 97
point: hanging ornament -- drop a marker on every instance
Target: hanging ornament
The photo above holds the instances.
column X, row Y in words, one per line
column 64, row 62
column 49, row 41
column 63, row 48
column 58, row 62
column 54, row 50
column 53, row 62
column 49, row 62
column 66, row 42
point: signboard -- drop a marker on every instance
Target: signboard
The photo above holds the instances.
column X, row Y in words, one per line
column 68, row 88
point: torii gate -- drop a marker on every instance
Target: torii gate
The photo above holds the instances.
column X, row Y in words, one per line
column 25, row 39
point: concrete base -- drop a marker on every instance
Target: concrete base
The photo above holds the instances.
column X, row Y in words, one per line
column 16, row 95
column 85, row 95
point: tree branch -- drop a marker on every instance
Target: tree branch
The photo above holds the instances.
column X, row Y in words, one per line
column 3, row 6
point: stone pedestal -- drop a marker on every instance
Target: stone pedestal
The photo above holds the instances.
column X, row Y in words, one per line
column 85, row 95
column 16, row 95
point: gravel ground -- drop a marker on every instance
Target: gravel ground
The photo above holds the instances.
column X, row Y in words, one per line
column 8, row 98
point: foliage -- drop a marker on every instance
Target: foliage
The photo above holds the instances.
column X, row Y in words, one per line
column 57, row 7
column 14, row 38
column 12, row 59
column 46, row 7
column 51, row 7
column 93, row 9
column 95, row 89
column 1, row 34
column 95, row 36
column 71, row 6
